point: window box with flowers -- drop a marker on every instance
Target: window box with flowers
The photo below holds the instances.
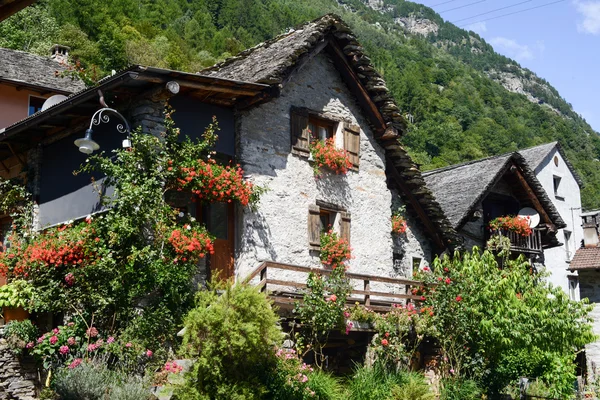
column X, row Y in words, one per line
column 326, row 155
column 516, row 224
column 399, row 225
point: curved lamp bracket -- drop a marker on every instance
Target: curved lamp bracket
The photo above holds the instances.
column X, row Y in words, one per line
column 87, row 145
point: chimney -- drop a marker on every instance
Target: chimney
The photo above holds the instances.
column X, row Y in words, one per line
column 590, row 225
column 60, row 53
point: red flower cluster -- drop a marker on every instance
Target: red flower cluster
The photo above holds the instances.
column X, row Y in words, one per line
column 334, row 250
column 517, row 224
column 54, row 249
column 399, row 224
column 212, row 182
column 191, row 243
column 325, row 154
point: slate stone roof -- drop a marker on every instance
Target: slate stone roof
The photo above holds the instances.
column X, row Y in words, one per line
column 586, row 258
column 459, row 188
column 32, row 70
column 273, row 62
column 535, row 156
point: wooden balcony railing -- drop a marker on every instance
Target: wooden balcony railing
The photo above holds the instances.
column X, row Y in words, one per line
column 522, row 244
column 380, row 301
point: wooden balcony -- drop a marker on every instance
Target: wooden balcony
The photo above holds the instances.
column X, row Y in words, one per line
column 531, row 244
column 285, row 293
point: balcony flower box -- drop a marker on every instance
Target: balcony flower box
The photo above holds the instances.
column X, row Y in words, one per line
column 326, row 154
column 516, row 224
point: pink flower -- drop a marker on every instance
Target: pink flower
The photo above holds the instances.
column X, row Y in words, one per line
column 128, row 344
column 458, row 298
column 346, row 314
column 333, row 297
column 63, row 350
column 30, row 345
column 99, row 342
column 447, row 281
column 71, row 341
column 41, row 339
column 426, row 269
column 304, row 378
column 75, row 363
column 110, row 340
column 53, row 340
column 71, row 324
column 384, row 342
column 149, row 353
column 70, row 279
column 55, row 331
column 92, row 347
column 349, row 326
column 452, row 371
column 92, row 332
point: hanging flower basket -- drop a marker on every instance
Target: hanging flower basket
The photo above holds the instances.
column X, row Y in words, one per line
column 325, row 154
column 515, row 224
column 399, row 225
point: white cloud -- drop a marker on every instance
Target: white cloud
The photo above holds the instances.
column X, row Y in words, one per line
column 477, row 27
column 590, row 11
column 513, row 49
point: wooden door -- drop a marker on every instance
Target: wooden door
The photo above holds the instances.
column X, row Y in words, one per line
column 219, row 221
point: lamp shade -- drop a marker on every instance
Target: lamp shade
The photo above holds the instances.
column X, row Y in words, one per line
column 86, row 144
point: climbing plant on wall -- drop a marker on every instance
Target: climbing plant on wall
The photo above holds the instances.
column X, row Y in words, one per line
column 132, row 266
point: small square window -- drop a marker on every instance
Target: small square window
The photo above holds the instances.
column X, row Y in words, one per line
column 35, row 104
column 556, row 180
column 327, row 218
column 320, row 129
column 416, row 262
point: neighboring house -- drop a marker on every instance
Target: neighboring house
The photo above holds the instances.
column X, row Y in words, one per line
column 266, row 99
column 586, row 262
column 562, row 184
column 475, row 193
column 26, row 81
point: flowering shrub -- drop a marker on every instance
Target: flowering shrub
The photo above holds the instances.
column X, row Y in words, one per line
column 334, row 250
column 517, row 224
column 399, row 331
column 212, row 182
column 326, row 154
column 70, row 345
column 291, row 378
column 493, row 323
column 399, row 222
column 191, row 243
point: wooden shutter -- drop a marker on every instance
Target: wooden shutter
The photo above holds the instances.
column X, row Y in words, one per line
column 299, row 131
column 345, row 226
column 314, row 227
column 352, row 143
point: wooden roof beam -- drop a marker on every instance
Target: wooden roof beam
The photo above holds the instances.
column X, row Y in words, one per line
column 531, row 195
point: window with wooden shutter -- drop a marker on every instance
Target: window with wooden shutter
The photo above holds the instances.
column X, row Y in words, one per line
column 314, row 227
column 345, row 226
column 300, row 132
column 352, row 143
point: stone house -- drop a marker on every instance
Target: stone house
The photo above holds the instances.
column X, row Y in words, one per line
column 474, row 193
column 586, row 262
column 267, row 99
column 563, row 186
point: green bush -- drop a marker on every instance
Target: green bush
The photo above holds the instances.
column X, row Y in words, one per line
column 232, row 337
column 415, row 388
column 325, row 386
column 94, row 381
column 459, row 389
column 19, row 333
column 373, row 383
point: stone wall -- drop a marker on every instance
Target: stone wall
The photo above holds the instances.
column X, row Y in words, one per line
column 278, row 229
column 17, row 376
column 589, row 286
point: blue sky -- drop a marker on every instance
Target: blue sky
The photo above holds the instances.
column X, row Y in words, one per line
column 559, row 42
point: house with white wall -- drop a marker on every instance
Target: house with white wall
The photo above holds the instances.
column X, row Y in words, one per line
column 563, row 186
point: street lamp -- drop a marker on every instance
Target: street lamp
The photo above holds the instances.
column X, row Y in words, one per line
column 87, row 145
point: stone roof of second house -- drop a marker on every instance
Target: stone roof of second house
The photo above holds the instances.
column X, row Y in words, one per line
column 459, row 188
column 21, row 68
column 535, row 156
column 586, row 258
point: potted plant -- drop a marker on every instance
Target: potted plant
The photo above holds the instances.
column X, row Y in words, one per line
column 15, row 300
column 516, row 224
column 326, row 154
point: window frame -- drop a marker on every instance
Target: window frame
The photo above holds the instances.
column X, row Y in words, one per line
column 339, row 221
column 556, row 181
column 31, row 96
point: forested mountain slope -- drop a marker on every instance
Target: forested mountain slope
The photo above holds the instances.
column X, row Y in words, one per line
column 448, row 81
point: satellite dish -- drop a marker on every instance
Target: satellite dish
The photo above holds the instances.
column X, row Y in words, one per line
column 530, row 215
column 53, row 100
